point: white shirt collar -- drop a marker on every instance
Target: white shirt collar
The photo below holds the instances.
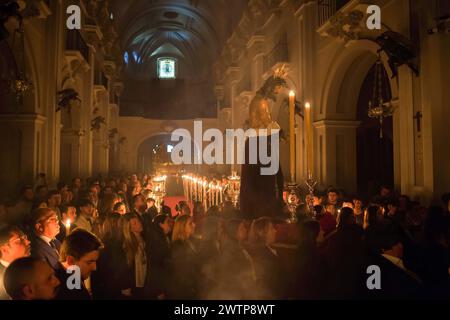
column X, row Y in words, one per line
column 4, row 263
column 46, row 239
column 399, row 263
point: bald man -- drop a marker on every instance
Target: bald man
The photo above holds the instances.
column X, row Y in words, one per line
column 30, row 279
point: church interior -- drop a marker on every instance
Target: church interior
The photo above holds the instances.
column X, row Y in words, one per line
column 91, row 92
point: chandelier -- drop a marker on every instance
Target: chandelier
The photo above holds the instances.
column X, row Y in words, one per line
column 233, row 188
column 378, row 108
column 20, row 85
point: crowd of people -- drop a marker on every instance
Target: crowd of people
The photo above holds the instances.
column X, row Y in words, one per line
column 106, row 239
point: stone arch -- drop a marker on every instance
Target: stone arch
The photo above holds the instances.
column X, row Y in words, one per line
column 336, row 120
column 141, row 142
column 159, row 133
column 354, row 61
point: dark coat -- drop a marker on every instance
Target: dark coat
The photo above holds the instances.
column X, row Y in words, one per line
column 41, row 249
column 64, row 293
column 395, row 282
column 159, row 253
column 185, row 271
column 271, row 282
column 235, row 273
column 112, row 275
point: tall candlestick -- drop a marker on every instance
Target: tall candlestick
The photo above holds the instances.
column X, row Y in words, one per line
column 292, row 134
column 308, row 137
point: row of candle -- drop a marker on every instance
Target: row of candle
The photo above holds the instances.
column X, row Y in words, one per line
column 197, row 188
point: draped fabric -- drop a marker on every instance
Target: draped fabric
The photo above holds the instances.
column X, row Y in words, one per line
column 260, row 195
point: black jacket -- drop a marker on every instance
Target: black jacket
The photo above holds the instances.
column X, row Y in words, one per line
column 41, row 249
column 184, row 270
column 395, row 282
column 159, row 254
column 269, row 273
column 66, row 293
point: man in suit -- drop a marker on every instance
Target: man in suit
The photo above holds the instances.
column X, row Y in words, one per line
column 44, row 245
column 30, row 278
column 80, row 251
column 397, row 282
column 14, row 244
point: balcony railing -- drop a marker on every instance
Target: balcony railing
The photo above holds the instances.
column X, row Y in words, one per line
column 76, row 42
column 328, row 8
column 278, row 54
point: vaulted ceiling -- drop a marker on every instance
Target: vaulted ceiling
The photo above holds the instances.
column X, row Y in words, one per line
column 193, row 31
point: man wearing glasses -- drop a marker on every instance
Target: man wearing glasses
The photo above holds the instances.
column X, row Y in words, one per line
column 14, row 244
column 44, row 245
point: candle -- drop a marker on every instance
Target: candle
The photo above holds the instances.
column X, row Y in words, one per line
column 67, row 224
column 292, row 134
column 217, row 195
column 210, row 198
column 220, row 195
column 308, row 138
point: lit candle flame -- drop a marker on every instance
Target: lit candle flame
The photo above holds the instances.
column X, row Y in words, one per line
column 291, row 94
column 307, row 105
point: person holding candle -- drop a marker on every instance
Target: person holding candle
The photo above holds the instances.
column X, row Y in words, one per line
column 44, row 244
column 67, row 224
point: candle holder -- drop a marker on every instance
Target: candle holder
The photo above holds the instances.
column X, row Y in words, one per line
column 293, row 201
column 232, row 189
column 159, row 190
column 311, row 184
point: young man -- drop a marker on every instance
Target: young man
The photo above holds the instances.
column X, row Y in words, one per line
column 14, row 244
column 30, row 279
column 79, row 254
column 333, row 201
column 22, row 208
column 86, row 218
column 139, row 204
column 69, row 216
column 358, row 210
column 54, row 201
column 44, row 245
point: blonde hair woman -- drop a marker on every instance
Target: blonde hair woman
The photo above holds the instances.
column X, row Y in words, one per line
column 135, row 251
column 183, row 229
column 185, row 263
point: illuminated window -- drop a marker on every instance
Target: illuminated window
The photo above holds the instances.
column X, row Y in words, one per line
column 135, row 56
column 169, row 148
column 125, row 57
column 166, row 68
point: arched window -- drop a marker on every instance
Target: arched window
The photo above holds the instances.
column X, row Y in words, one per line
column 166, row 68
column 125, row 57
column 135, row 56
